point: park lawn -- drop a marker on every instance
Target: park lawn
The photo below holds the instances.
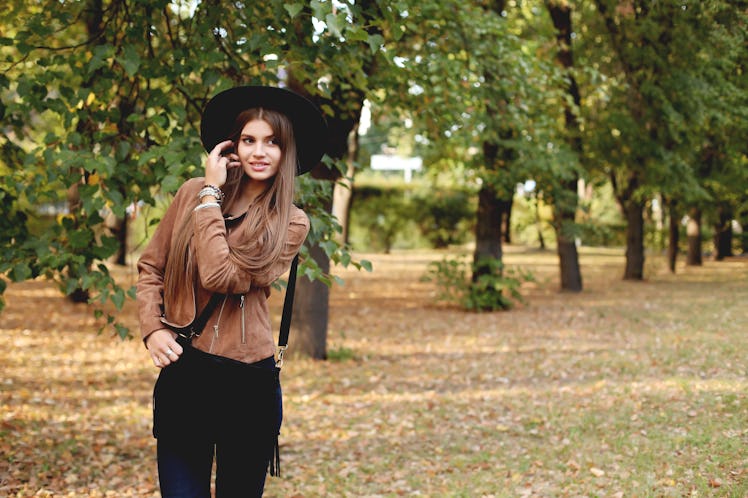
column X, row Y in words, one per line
column 627, row 389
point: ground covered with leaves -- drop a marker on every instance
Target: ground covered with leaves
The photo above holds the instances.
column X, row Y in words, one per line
column 626, row 389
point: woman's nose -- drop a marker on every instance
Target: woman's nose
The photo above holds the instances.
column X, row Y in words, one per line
column 259, row 149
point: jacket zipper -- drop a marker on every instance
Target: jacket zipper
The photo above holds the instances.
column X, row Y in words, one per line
column 241, row 305
column 215, row 327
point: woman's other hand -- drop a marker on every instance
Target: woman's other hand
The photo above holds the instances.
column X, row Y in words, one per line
column 163, row 346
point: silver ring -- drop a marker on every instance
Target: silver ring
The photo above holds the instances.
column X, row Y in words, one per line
column 169, row 352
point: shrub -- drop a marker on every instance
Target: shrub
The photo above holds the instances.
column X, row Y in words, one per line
column 381, row 214
column 601, row 234
column 495, row 287
column 444, row 217
column 385, row 216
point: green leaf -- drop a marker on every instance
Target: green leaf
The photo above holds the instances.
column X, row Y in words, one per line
column 122, row 331
column 20, row 272
column 375, row 42
column 293, row 9
column 318, row 9
column 118, row 298
column 330, row 247
column 130, row 60
column 80, row 239
column 123, row 150
column 210, row 77
column 107, row 247
column 334, row 25
column 101, row 54
column 170, row 183
column 118, row 202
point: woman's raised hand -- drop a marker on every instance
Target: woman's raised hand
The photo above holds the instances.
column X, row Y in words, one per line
column 221, row 158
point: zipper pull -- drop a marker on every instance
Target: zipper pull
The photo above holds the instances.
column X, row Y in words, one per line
column 241, row 305
column 213, row 339
column 215, row 327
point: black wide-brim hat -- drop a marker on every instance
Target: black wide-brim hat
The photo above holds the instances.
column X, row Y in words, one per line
column 309, row 125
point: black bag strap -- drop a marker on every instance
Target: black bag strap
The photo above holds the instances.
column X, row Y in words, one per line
column 195, row 328
column 285, row 325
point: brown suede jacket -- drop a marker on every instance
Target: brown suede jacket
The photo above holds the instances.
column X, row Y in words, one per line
column 240, row 325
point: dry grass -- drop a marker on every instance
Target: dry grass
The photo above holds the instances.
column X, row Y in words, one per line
column 627, row 389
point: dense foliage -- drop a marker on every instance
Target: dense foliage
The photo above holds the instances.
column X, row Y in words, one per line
column 100, row 101
column 410, row 215
column 100, row 107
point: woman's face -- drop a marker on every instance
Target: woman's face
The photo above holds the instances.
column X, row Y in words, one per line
column 259, row 151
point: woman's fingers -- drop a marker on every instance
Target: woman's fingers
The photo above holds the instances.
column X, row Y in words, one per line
column 233, row 160
column 176, row 347
column 163, row 347
column 220, row 159
column 222, row 148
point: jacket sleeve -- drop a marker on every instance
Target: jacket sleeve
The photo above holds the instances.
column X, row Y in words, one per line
column 218, row 269
column 152, row 262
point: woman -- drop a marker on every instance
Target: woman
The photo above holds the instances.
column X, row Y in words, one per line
column 222, row 242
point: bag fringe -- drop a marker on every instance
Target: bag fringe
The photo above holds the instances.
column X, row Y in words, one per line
column 275, row 459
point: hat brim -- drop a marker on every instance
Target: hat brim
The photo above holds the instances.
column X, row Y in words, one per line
column 309, row 125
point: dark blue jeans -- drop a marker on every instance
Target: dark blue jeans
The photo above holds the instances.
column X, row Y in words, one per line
column 184, row 469
column 200, row 411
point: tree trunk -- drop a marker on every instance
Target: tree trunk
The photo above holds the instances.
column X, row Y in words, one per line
column 310, row 311
column 564, row 218
column 493, row 214
column 506, row 225
column 723, row 234
column 565, row 204
column 94, row 20
column 673, row 234
column 742, row 218
column 488, row 226
column 634, row 241
column 571, row 274
column 633, row 211
column 492, row 210
column 693, row 233
column 343, row 191
column 341, row 208
column 312, row 303
column 539, row 223
column 118, row 227
column 121, row 226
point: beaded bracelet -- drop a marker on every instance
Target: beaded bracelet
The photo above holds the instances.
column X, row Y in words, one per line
column 213, row 191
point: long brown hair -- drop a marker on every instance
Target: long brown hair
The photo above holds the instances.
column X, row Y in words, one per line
column 268, row 214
